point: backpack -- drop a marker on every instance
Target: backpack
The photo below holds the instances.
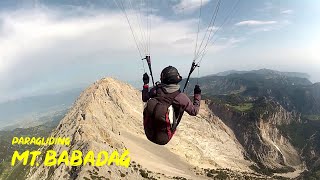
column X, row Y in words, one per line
column 159, row 118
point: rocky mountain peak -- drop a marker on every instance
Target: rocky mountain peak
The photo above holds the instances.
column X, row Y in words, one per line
column 107, row 116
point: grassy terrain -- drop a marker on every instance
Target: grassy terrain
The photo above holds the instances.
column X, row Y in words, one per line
column 7, row 149
column 312, row 117
column 298, row 133
column 242, row 107
column 314, row 174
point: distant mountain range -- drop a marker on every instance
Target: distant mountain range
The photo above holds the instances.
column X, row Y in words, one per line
column 266, row 72
column 292, row 90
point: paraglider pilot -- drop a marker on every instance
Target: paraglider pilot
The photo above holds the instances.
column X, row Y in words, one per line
column 166, row 105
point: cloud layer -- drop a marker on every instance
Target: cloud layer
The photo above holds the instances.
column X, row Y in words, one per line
column 46, row 49
column 255, row 23
column 42, row 48
column 189, row 5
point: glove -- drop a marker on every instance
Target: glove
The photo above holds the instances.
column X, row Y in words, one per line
column 197, row 89
column 146, row 78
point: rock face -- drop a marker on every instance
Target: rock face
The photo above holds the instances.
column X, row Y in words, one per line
column 311, row 152
column 94, row 123
column 108, row 116
column 315, row 92
column 258, row 132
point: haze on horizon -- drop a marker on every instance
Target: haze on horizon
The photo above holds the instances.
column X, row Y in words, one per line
column 54, row 46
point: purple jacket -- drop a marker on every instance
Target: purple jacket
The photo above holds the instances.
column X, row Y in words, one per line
column 181, row 102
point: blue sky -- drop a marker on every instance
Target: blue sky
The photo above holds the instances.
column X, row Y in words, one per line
column 49, row 46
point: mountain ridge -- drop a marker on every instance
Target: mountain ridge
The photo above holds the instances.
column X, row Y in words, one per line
column 117, row 108
column 108, row 116
column 264, row 71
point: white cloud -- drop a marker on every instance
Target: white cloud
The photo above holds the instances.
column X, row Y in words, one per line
column 189, row 5
column 272, row 27
column 255, row 23
column 25, row 33
column 41, row 49
column 267, row 7
column 49, row 48
column 184, row 41
column 229, row 42
column 288, row 11
column 32, row 33
column 213, row 28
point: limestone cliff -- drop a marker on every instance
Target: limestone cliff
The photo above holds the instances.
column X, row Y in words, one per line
column 108, row 116
column 257, row 131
